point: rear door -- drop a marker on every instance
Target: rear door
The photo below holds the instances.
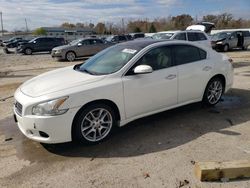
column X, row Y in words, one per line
column 194, row 70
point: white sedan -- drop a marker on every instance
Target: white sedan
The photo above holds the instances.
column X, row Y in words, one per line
column 125, row 82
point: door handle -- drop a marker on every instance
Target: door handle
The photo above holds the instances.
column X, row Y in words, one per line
column 170, row 77
column 207, row 68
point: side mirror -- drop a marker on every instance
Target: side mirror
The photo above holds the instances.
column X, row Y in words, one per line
column 143, row 69
column 79, row 44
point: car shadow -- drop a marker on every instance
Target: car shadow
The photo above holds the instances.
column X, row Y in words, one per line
column 165, row 130
column 155, row 133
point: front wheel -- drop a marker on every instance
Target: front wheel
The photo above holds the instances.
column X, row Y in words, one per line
column 70, row 56
column 213, row 92
column 28, row 51
column 94, row 124
column 226, row 48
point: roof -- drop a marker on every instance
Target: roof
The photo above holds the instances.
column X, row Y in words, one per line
column 138, row 44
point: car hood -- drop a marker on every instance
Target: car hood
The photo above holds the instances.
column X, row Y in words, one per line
column 62, row 47
column 57, row 80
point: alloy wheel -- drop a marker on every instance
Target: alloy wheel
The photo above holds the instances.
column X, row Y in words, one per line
column 215, row 90
column 96, row 124
column 71, row 56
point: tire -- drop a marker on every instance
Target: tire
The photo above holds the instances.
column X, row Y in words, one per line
column 70, row 56
column 226, row 48
column 94, row 124
column 28, row 51
column 213, row 92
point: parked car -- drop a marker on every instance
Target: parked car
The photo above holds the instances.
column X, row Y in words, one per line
column 79, row 48
column 15, row 43
column 117, row 38
column 194, row 36
column 11, row 40
column 40, row 44
column 137, row 35
column 1, row 42
column 226, row 40
column 122, row 83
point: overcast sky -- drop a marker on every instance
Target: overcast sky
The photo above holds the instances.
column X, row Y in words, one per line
column 53, row 12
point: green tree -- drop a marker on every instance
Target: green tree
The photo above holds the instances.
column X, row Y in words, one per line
column 100, row 28
column 137, row 30
column 68, row 25
column 39, row 31
column 152, row 28
column 182, row 21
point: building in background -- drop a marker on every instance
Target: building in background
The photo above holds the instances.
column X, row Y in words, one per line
column 68, row 34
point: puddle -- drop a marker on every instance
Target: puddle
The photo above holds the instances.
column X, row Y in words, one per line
column 229, row 102
column 24, row 148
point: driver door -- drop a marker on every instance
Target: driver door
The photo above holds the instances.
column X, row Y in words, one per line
column 145, row 93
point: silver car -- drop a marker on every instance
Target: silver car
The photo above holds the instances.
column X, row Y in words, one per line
column 79, row 48
column 226, row 40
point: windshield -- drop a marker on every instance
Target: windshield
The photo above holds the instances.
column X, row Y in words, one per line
column 32, row 40
column 75, row 42
column 108, row 61
column 219, row 36
column 109, row 39
column 162, row 35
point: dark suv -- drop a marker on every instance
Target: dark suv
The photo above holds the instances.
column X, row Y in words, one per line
column 117, row 38
column 40, row 44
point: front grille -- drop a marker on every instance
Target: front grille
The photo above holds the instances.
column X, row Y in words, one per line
column 19, row 108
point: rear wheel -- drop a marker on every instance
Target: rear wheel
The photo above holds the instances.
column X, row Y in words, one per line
column 94, row 124
column 213, row 92
column 28, row 51
column 70, row 56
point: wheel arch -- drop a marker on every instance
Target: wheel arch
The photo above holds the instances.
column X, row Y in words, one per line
column 220, row 76
column 68, row 52
column 99, row 101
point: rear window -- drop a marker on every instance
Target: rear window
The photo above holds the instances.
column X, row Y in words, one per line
column 184, row 54
column 246, row 33
column 201, row 36
column 196, row 36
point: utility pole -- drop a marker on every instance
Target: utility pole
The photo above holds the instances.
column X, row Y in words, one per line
column 1, row 15
column 26, row 25
column 123, row 28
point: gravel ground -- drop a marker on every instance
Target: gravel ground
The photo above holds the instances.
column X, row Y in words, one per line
column 156, row 151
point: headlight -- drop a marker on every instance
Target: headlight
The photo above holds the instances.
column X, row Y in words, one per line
column 219, row 42
column 58, row 51
column 50, row 108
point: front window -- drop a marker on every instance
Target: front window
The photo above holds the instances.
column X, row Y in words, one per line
column 108, row 61
column 75, row 42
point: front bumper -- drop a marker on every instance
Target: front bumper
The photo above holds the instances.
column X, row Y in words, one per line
column 45, row 129
column 219, row 47
column 57, row 55
column 19, row 50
